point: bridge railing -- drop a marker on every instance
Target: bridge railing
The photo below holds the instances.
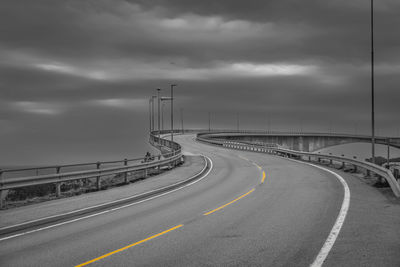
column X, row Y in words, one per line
column 370, row 167
column 170, row 158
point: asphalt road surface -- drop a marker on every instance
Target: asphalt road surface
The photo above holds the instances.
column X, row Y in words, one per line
column 235, row 216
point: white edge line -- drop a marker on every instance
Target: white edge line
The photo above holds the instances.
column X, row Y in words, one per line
column 330, row 241
column 113, row 209
column 334, row 233
column 99, row 205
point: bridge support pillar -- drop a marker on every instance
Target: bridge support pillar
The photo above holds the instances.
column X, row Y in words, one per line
column 343, row 165
column 330, row 162
column 355, row 168
column 368, row 173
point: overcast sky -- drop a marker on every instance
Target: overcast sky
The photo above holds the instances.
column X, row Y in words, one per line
column 75, row 76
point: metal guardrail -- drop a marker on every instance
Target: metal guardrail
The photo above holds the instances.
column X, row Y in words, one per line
column 370, row 167
column 170, row 158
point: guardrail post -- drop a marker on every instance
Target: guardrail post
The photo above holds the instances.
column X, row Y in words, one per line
column 3, row 193
column 343, row 165
column 309, row 158
column 126, row 172
column 355, row 168
column 159, row 166
column 368, row 173
column 98, row 178
column 174, row 161
column 58, row 185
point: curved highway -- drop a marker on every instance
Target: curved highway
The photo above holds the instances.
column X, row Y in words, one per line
column 250, row 210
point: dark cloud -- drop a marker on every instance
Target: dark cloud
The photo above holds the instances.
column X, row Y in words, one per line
column 76, row 75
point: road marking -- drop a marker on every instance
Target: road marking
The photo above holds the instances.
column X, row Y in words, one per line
column 258, row 166
column 326, row 248
column 243, row 158
column 227, row 204
column 263, row 172
column 330, row 241
column 109, row 210
column 129, row 246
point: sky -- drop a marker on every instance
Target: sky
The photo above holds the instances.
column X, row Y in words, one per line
column 76, row 76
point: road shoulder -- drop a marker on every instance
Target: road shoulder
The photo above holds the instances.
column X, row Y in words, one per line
column 371, row 233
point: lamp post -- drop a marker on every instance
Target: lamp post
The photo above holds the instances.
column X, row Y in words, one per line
column 209, row 121
column 237, row 122
column 372, row 84
column 162, row 99
column 388, row 152
column 150, row 115
column 162, row 115
column 172, row 111
column 182, row 119
column 158, row 113
column 152, row 111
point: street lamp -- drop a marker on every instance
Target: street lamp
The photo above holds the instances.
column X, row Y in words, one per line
column 162, row 115
column 151, row 103
column 372, row 84
column 150, row 115
column 209, row 121
column 172, row 111
column 158, row 113
column 237, row 122
column 162, row 99
column 182, row 119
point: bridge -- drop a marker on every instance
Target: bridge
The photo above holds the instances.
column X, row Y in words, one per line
column 253, row 204
column 307, row 142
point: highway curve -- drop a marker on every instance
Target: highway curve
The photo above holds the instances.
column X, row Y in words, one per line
column 235, row 216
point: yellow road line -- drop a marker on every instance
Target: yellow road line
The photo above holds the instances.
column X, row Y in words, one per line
column 129, row 246
column 263, row 177
column 223, row 206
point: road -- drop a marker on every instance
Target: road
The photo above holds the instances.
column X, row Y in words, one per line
column 235, row 216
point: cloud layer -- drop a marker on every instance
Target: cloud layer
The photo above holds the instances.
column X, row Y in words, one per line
column 92, row 65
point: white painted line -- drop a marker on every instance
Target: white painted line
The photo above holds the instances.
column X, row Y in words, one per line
column 95, row 206
column 240, row 156
column 330, row 241
column 258, row 166
column 109, row 210
column 326, row 248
